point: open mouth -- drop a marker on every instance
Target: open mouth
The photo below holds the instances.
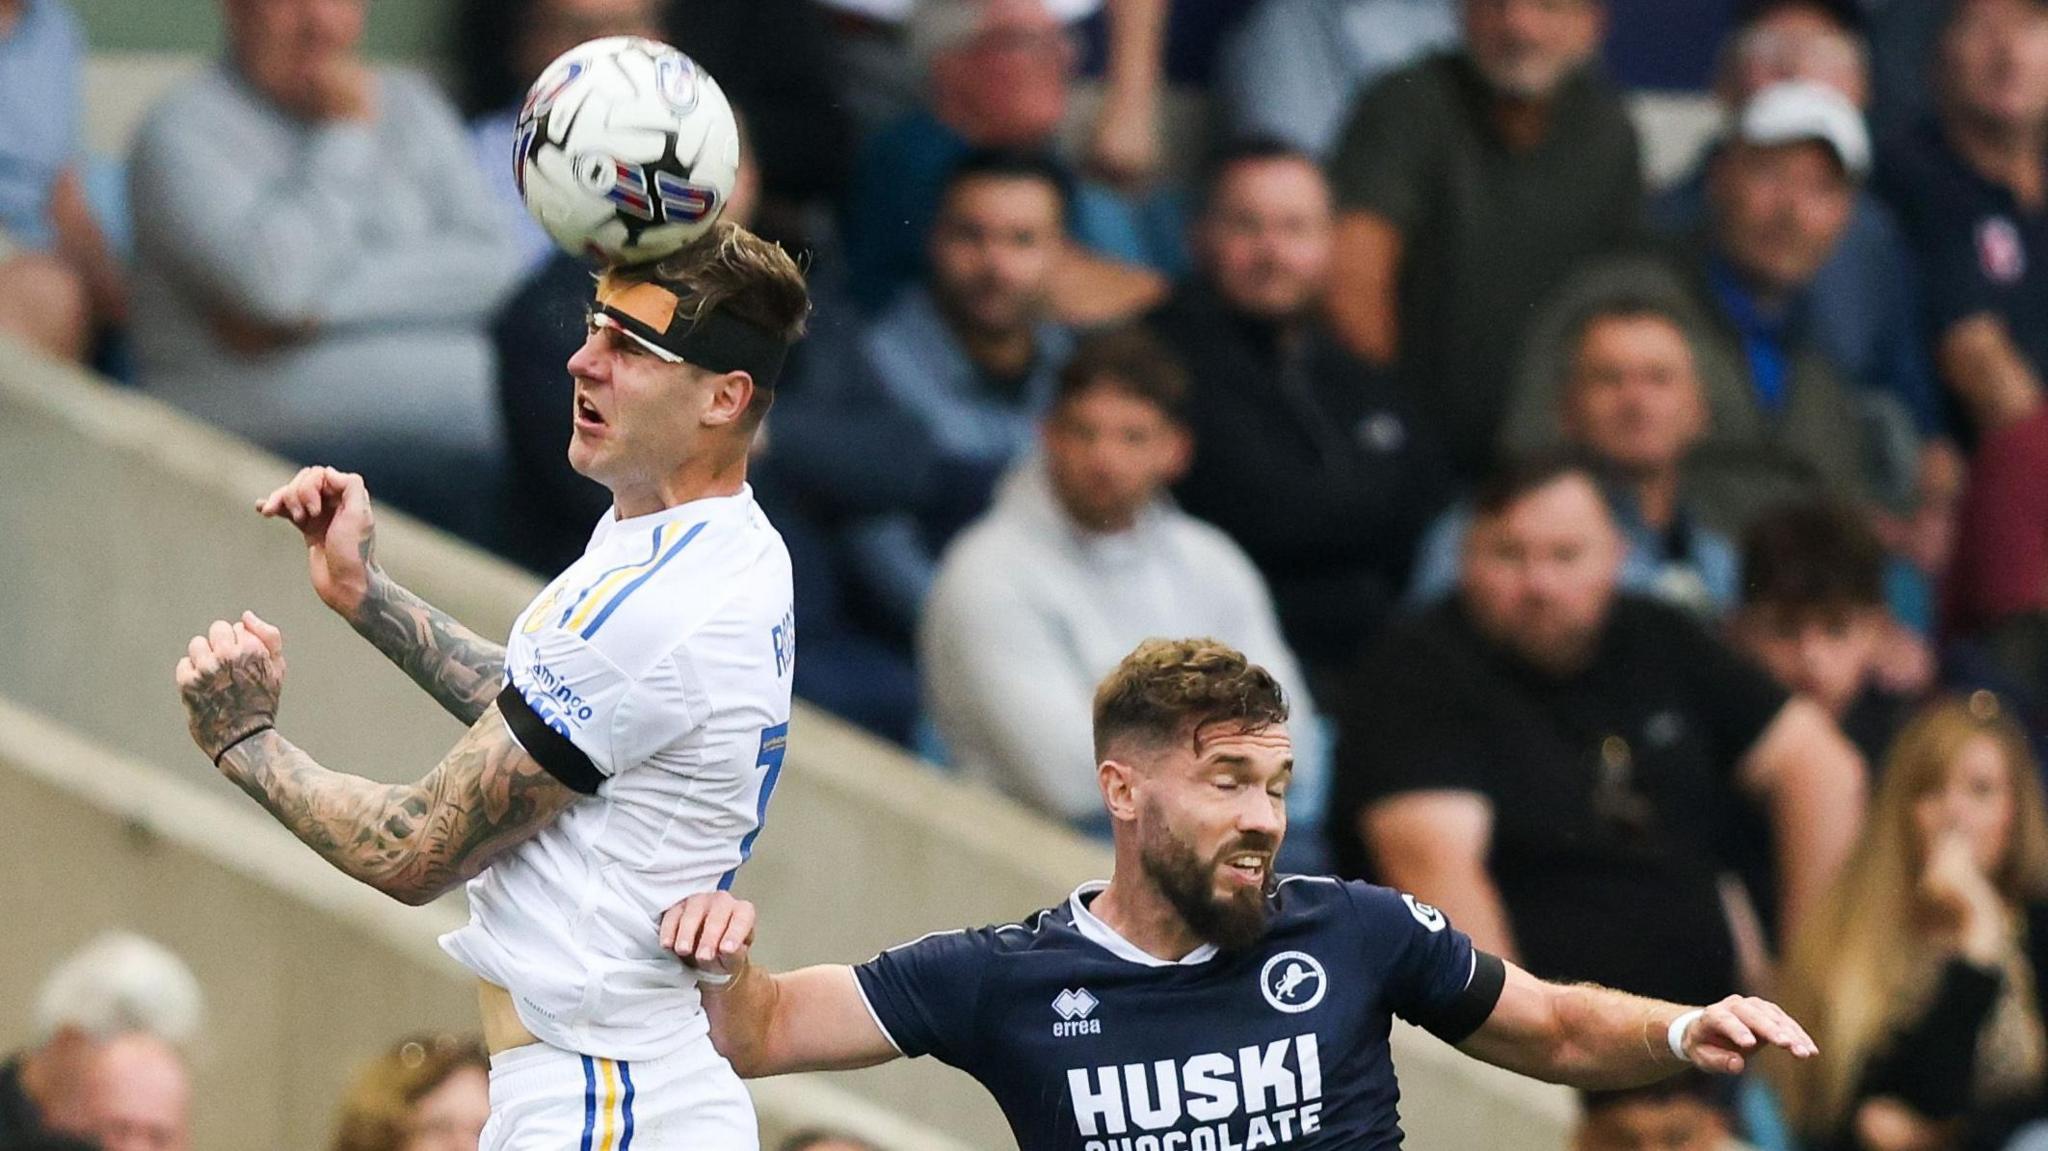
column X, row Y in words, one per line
column 1248, row 867
column 587, row 413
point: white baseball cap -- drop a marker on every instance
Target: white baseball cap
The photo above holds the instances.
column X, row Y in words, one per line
column 1792, row 111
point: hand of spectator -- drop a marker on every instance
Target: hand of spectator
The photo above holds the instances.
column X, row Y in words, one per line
column 1966, row 898
column 712, row 931
column 1723, row 1035
column 331, row 509
column 1124, row 149
column 341, row 89
column 1886, row 1124
column 231, row 680
column 1904, row 661
column 252, row 337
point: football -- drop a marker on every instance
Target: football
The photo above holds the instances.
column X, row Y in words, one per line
column 626, row 150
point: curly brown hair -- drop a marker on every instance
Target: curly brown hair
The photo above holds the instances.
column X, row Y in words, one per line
column 1172, row 689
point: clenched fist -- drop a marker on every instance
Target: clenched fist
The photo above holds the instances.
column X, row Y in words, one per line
column 231, row 679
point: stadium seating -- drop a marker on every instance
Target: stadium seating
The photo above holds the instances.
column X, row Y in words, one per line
column 124, row 514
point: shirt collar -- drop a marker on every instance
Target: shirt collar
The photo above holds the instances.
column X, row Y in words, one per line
column 1105, row 937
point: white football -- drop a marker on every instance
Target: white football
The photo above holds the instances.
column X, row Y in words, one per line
column 626, row 150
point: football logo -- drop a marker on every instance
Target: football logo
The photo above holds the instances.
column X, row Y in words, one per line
column 1426, row 915
column 1293, row 982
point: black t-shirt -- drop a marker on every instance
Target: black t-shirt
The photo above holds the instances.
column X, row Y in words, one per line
column 1488, row 232
column 1090, row 1045
column 1979, row 251
column 1613, row 791
column 1313, row 461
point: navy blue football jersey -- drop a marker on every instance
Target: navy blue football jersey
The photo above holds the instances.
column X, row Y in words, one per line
column 1089, row 1044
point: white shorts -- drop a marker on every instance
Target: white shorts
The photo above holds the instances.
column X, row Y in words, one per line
column 546, row 1099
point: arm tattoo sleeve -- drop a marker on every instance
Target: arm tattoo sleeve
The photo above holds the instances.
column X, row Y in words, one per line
column 410, row 841
column 459, row 668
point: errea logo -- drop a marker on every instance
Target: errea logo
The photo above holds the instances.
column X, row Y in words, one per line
column 1073, row 1009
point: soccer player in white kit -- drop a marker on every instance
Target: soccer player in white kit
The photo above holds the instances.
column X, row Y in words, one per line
column 623, row 743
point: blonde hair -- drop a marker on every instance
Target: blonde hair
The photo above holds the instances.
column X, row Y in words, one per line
column 376, row 1114
column 1850, row 972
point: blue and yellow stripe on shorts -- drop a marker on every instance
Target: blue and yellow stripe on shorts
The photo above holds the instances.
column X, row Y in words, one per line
column 607, row 1105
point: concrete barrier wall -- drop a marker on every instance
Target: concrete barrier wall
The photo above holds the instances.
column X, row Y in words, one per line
column 305, row 972
column 128, row 528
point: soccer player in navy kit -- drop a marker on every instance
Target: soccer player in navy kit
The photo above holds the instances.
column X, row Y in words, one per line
column 1197, row 1001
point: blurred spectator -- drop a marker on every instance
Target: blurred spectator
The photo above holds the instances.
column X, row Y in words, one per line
column 1919, row 977
column 1781, row 421
column 117, row 985
column 503, row 48
column 908, row 433
column 775, row 60
column 1971, row 189
column 1682, row 1113
column 140, row 1096
column 1996, row 595
column 1560, row 767
column 1865, row 311
column 815, row 1139
column 1633, row 403
column 997, row 75
column 318, row 257
column 1081, row 558
column 1469, row 185
column 428, row 1093
column 1813, row 614
column 58, row 282
column 1311, row 459
column 1293, row 68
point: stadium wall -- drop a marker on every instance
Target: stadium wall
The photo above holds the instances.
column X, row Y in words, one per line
column 130, row 527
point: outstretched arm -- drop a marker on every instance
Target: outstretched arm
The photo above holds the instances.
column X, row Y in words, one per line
column 812, row 1019
column 331, row 508
column 1596, row 1039
column 411, row 841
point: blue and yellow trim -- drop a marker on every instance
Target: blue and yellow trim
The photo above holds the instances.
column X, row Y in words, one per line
column 607, row 1111
column 597, row 602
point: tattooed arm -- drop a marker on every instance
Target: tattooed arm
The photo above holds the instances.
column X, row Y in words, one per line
column 410, row 841
column 460, row 669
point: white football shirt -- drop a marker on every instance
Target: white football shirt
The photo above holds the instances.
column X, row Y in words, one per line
column 664, row 656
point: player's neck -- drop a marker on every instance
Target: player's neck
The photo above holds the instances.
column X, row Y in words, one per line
column 695, row 480
column 1145, row 918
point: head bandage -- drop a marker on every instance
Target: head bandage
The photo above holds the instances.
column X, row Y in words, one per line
column 648, row 314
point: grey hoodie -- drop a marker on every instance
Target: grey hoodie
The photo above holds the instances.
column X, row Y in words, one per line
column 1030, row 611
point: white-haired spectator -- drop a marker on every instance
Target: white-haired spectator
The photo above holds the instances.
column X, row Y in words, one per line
column 119, row 984
column 139, row 1095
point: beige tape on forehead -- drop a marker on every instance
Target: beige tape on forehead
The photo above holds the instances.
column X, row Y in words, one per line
column 651, row 304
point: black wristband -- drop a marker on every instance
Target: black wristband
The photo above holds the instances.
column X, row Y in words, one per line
column 241, row 739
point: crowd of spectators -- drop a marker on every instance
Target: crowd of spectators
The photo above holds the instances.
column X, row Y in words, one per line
column 1614, row 540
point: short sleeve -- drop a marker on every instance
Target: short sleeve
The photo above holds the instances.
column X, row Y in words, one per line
column 1434, row 977
column 926, row 995
column 1381, row 161
column 584, row 719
